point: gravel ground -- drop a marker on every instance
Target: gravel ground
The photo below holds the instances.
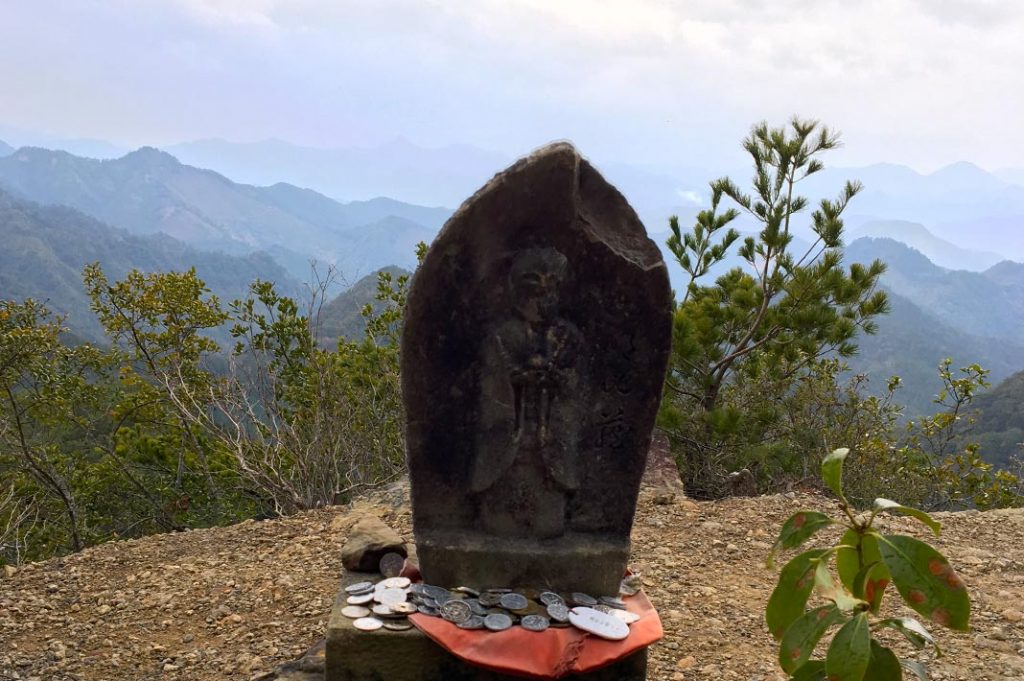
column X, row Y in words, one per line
column 235, row 602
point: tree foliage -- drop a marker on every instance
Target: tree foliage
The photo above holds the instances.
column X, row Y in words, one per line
column 775, row 316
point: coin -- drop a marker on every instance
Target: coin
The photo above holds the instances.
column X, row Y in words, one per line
column 535, row 623
column 468, row 591
column 397, row 625
column 381, row 610
column 391, row 596
column 497, row 621
column 359, row 587
column 514, row 601
column 456, row 611
column 474, row 622
column 606, row 609
column 368, row 624
column 427, row 610
column 475, row 606
column 360, row 599
column 354, row 611
column 391, row 564
column 558, row 612
column 626, row 616
column 613, row 602
column 438, row 593
column 489, row 599
column 403, row 608
column 583, row 599
column 598, row 623
column 549, row 597
column 396, row 583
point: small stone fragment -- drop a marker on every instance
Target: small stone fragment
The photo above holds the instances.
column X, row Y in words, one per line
column 367, row 543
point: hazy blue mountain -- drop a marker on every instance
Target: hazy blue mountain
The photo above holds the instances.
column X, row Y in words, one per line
column 999, row 425
column 90, row 148
column 1011, row 175
column 46, row 247
column 400, row 169
column 5, row 149
column 940, row 251
column 980, row 303
column 342, row 316
column 911, row 343
column 149, row 191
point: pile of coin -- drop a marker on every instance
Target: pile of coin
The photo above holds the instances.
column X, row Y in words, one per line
column 388, row 603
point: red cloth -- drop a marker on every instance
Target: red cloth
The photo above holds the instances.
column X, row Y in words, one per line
column 549, row 654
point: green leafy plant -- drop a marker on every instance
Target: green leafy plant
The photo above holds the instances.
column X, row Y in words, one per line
column 866, row 562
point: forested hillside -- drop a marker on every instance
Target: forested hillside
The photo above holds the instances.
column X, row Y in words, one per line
column 150, row 191
column 999, row 427
column 46, row 247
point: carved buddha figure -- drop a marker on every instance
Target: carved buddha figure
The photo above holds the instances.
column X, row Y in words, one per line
column 526, row 464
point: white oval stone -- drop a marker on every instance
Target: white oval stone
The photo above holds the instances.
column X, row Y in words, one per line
column 598, row 623
column 626, row 616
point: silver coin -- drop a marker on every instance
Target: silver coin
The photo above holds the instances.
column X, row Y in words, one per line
column 418, row 589
column 360, row 599
column 497, row 621
column 397, row 583
column 427, row 610
column 599, row 623
column 476, row 607
column 489, row 599
column 535, row 623
column 549, row 597
column 514, row 601
column 583, row 599
column 391, row 596
column 403, row 608
column 468, row 591
column 626, row 616
column 613, row 602
column 382, row 610
column 558, row 612
column 397, row 625
column 601, row 607
column 359, row 587
column 368, row 624
column 438, row 593
column 456, row 611
column 354, row 611
column 474, row 622
column 391, row 564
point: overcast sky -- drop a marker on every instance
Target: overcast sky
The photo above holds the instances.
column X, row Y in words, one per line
column 920, row 82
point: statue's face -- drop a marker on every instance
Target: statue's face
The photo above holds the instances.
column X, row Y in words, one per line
column 537, row 294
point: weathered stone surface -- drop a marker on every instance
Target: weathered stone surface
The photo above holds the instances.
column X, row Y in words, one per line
column 535, row 344
column 662, row 472
column 369, row 539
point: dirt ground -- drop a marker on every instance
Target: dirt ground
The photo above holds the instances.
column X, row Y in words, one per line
column 234, row 602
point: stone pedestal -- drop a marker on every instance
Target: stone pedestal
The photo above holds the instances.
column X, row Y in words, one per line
column 381, row 655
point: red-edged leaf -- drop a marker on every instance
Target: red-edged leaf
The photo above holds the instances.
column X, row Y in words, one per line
column 850, row 651
column 926, row 581
column 852, row 566
column 803, row 635
column 813, row 670
column 798, row 529
column 834, row 592
column 796, row 581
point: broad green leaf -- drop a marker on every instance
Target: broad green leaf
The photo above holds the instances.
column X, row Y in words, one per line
column 813, row 670
column 887, row 505
column 915, row 668
column 832, row 591
column 851, row 565
column 884, row 665
column 801, row 636
column 832, row 471
column 798, row 529
column 850, row 651
column 796, row 581
column 913, row 630
column 926, row 581
column 870, row 584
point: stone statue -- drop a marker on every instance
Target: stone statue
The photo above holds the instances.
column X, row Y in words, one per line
column 527, row 443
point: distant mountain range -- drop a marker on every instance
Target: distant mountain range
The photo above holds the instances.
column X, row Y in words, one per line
column 940, row 251
column 5, row 149
column 45, row 249
column 149, row 191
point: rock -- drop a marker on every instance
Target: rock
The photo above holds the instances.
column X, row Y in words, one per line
column 368, row 540
column 742, row 484
column 10, row 571
column 661, row 471
column 1013, row 615
column 686, row 662
column 535, row 345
